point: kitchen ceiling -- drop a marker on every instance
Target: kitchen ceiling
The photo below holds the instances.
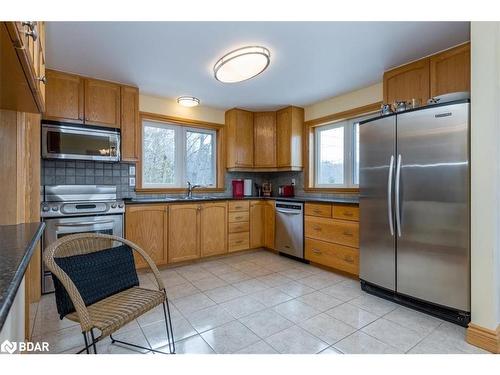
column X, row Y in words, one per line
column 310, row 61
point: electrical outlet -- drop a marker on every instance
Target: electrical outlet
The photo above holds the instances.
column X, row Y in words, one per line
column 293, row 181
column 131, row 170
column 131, row 181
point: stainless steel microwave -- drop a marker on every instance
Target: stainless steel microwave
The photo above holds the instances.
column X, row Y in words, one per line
column 80, row 143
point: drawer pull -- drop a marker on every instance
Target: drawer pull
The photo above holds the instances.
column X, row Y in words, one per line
column 239, row 241
column 316, row 251
column 347, row 234
column 349, row 259
column 238, row 217
column 316, row 211
column 347, row 213
column 317, row 228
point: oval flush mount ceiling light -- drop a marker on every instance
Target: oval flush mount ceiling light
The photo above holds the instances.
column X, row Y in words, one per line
column 242, row 64
column 188, row 101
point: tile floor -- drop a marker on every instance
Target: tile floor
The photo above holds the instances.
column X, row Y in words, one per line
column 258, row 302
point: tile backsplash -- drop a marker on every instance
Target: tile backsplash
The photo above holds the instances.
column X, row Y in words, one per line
column 70, row 172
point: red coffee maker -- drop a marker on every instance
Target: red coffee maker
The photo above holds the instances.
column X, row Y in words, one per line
column 238, row 188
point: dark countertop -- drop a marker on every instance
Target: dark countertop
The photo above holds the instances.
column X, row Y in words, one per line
column 17, row 244
column 338, row 198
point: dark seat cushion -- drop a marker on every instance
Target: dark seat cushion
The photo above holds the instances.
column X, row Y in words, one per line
column 96, row 275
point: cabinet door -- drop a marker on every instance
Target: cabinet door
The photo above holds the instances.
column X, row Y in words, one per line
column 410, row 81
column 264, row 128
column 129, row 122
column 213, row 228
column 257, row 232
column 146, row 225
column 184, row 242
column 239, row 138
column 450, row 71
column 64, row 97
column 102, row 103
column 269, row 224
column 289, row 129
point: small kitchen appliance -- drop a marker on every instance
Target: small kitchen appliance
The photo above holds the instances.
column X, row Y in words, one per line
column 247, row 187
column 238, row 188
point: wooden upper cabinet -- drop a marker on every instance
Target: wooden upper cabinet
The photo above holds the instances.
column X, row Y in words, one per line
column 264, row 124
column 289, row 130
column 147, row 226
column 407, row 82
column 102, row 103
column 183, row 239
column 64, row 97
column 213, row 228
column 257, row 231
column 239, row 124
column 129, row 123
column 450, row 71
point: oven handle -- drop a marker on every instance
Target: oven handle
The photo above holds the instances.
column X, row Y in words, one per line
column 83, row 223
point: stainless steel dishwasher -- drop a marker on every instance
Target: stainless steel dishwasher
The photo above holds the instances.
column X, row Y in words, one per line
column 290, row 228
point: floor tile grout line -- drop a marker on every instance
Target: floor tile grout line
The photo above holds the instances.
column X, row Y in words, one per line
column 423, row 338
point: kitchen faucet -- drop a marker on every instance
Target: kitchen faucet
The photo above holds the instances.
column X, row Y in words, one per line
column 190, row 189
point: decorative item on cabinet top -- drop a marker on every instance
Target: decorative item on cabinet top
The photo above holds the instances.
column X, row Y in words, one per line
column 264, row 141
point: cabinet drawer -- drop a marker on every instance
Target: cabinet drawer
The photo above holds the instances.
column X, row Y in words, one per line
column 315, row 209
column 331, row 230
column 239, row 241
column 239, row 206
column 237, row 217
column 332, row 255
column 239, row 227
column 346, row 212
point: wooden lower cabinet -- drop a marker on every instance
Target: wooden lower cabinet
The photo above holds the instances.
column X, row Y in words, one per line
column 239, row 241
column 147, row 226
column 333, row 255
column 269, row 224
column 332, row 230
column 257, row 225
column 213, row 232
column 183, row 239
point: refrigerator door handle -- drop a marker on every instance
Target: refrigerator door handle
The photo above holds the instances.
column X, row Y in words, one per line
column 389, row 195
column 398, row 181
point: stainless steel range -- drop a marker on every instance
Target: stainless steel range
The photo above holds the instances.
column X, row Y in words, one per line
column 70, row 209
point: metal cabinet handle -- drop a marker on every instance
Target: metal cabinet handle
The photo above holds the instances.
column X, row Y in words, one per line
column 347, row 213
column 317, row 228
column 397, row 190
column 389, row 195
column 238, row 217
column 32, row 33
column 29, row 24
column 347, row 234
column 43, row 79
column 316, row 211
column 316, row 251
column 239, row 241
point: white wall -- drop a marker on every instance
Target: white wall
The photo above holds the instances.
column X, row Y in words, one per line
column 344, row 102
column 170, row 107
column 485, row 170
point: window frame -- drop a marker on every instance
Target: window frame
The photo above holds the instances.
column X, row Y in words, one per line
column 366, row 111
column 181, row 125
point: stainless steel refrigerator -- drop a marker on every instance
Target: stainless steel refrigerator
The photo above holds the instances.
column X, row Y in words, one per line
column 414, row 182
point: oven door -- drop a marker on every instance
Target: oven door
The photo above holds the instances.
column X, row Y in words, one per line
column 71, row 142
column 60, row 227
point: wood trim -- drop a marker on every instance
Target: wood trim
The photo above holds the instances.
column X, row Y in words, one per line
column 221, row 151
column 484, row 338
column 344, row 115
column 308, row 150
column 179, row 120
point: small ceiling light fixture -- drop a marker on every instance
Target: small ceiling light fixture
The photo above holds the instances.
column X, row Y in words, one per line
column 242, row 64
column 188, row 101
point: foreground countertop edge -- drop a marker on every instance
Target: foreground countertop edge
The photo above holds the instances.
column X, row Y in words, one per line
column 9, row 295
column 302, row 199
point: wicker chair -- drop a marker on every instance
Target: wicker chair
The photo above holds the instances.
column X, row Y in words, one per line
column 111, row 313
